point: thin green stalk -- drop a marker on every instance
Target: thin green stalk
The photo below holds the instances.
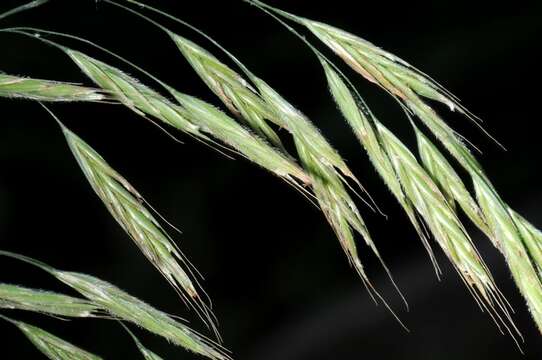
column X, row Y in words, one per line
column 21, row 8
column 147, row 354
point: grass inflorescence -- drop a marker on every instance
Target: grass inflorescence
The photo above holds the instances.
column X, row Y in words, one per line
column 122, row 306
column 46, row 90
column 410, row 87
column 256, row 103
column 50, row 345
column 46, row 302
column 425, row 183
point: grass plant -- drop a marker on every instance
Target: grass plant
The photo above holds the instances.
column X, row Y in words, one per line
column 425, row 181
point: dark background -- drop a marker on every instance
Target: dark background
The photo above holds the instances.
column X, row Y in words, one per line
column 281, row 286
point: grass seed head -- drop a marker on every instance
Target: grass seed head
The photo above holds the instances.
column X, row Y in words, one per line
column 363, row 125
column 320, row 161
column 443, row 222
column 325, row 165
column 520, row 244
column 127, row 207
column 450, row 183
column 128, row 308
column 46, row 90
column 46, row 302
column 193, row 116
column 415, row 190
column 125, row 307
column 52, row 346
column 409, row 85
column 130, row 92
column 240, row 98
column 378, row 65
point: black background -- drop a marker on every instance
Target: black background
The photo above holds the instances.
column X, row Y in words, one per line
column 281, row 286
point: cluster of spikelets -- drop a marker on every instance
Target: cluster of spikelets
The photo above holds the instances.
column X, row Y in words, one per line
column 326, row 170
column 518, row 240
column 102, row 299
column 429, row 189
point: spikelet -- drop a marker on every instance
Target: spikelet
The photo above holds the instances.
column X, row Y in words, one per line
column 46, row 302
column 328, row 184
column 413, row 186
column 230, row 87
column 451, row 184
column 123, row 306
column 18, row 9
column 318, row 158
column 438, row 215
column 128, row 208
column 143, row 100
column 363, row 125
column 502, row 227
column 50, row 345
column 410, row 86
column 324, row 169
column 45, row 90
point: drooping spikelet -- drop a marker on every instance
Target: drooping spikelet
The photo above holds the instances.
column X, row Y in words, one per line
column 119, row 304
column 50, row 345
column 410, row 86
column 231, row 88
column 364, row 127
column 143, row 100
column 258, row 104
column 254, row 102
column 503, row 229
column 415, row 188
column 128, row 208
